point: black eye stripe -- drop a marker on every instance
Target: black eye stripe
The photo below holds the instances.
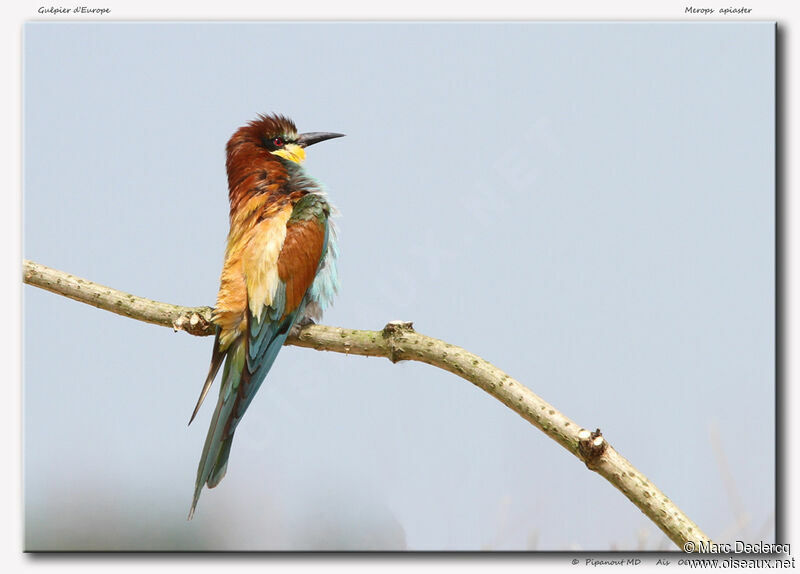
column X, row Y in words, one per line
column 273, row 143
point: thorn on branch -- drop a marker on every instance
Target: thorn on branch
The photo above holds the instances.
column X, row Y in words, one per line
column 397, row 326
column 195, row 323
column 591, row 445
column 390, row 333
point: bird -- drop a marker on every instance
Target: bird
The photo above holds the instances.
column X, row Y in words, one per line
column 279, row 270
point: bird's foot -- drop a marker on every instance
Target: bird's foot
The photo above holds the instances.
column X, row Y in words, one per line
column 306, row 321
column 297, row 327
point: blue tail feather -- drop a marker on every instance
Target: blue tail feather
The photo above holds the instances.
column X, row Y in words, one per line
column 247, row 363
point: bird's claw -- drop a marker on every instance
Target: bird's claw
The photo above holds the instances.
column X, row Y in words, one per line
column 306, row 321
column 297, row 327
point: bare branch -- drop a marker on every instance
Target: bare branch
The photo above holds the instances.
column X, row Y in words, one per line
column 193, row 320
column 398, row 341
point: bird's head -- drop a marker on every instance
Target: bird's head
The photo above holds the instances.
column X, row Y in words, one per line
column 278, row 135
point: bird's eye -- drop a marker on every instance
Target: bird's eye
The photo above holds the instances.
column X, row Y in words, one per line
column 278, row 142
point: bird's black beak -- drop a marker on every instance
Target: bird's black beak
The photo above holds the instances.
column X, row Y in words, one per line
column 305, row 140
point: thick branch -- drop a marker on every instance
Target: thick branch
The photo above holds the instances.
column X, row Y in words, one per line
column 399, row 342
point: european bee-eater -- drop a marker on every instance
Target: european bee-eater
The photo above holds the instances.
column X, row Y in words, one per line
column 280, row 268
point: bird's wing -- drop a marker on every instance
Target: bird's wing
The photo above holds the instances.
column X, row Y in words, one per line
column 303, row 248
column 249, row 279
column 275, row 296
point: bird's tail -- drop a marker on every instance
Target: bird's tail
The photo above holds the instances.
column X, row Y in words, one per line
column 214, row 460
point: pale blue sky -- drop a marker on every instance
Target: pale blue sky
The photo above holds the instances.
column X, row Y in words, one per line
column 588, row 206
